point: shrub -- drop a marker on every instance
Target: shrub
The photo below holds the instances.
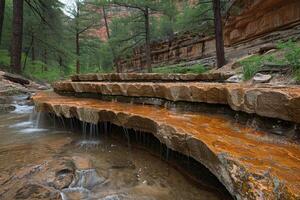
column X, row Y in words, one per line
column 251, row 66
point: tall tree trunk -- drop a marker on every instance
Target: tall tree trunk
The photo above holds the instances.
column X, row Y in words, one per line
column 32, row 48
column 60, row 61
column 28, row 51
column 219, row 34
column 2, row 9
column 45, row 59
column 77, row 37
column 17, row 33
column 108, row 37
column 106, row 23
column 148, row 50
column 77, row 54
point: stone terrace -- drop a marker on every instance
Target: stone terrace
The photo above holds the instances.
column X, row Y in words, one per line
column 265, row 100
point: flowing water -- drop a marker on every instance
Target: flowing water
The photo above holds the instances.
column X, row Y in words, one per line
column 108, row 168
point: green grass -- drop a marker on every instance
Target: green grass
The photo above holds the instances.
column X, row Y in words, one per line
column 34, row 69
column 251, row 66
column 197, row 69
column 291, row 52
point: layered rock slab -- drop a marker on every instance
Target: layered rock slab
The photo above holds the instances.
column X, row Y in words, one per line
column 251, row 164
column 152, row 77
column 265, row 100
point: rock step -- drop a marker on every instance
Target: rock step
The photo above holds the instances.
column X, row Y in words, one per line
column 155, row 77
column 251, row 164
column 262, row 99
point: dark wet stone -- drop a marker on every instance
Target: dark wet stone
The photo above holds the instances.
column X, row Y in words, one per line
column 5, row 108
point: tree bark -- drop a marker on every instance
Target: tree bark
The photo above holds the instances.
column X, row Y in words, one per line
column 17, row 33
column 147, row 47
column 2, row 9
column 219, row 34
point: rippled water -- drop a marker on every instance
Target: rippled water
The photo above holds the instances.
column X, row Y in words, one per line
column 116, row 172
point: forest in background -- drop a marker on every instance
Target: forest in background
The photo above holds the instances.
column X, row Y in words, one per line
column 59, row 40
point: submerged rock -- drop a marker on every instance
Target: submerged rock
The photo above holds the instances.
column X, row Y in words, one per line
column 82, row 163
column 37, row 192
column 87, row 179
column 41, row 181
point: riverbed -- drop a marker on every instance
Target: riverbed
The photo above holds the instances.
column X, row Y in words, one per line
column 33, row 145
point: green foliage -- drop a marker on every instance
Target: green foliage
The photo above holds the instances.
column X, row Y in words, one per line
column 196, row 19
column 197, row 69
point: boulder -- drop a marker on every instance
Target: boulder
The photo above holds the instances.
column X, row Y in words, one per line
column 235, row 78
column 262, row 78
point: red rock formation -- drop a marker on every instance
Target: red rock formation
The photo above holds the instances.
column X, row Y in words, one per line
column 258, row 17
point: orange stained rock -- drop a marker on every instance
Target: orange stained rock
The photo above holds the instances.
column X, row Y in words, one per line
column 256, row 151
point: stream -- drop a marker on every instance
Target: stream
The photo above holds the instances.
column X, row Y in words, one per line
column 32, row 148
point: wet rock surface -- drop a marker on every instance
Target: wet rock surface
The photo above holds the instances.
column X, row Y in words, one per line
column 273, row 101
column 250, row 163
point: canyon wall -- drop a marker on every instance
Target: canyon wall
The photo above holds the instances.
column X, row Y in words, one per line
column 184, row 47
column 249, row 25
column 250, row 19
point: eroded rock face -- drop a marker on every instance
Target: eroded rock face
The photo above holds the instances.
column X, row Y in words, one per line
column 264, row 100
column 251, row 164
